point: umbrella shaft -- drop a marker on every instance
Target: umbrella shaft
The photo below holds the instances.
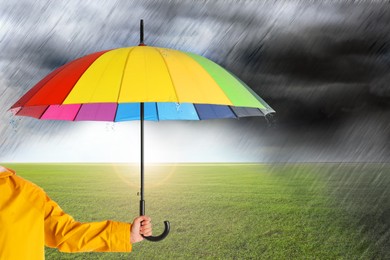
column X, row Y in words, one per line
column 142, row 201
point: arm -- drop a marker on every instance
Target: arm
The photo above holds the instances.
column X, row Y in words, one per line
column 68, row 235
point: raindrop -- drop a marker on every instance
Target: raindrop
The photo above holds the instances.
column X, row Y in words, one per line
column 177, row 107
column 271, row 120
column 110, row 127
column 14, row 122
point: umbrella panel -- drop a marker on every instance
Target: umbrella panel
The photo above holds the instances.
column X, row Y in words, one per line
column 114, row 112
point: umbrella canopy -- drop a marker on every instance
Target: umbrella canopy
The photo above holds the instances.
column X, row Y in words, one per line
column 108, row 86
column 140, row 82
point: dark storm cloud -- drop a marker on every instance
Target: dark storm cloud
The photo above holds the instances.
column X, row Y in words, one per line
column 323, row 73
column 325, row 69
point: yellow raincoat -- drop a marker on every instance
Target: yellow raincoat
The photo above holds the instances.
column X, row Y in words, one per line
column 29, row 219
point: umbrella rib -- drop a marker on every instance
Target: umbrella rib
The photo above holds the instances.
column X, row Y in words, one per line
column 157, row 115
column 78, row 111
column 261, row 112
column 196, row 110
column 123, row 74
column 81, row 73
column 169, row 73
column 233, row 112
column 116, row 111
column 211, row 76
column 44, row 111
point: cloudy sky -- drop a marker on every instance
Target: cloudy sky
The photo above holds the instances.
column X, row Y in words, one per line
column 324, row 67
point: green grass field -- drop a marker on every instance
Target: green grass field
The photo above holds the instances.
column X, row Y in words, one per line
column 236, row 211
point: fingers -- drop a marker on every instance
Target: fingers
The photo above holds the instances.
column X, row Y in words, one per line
column 141, row 225
column 145, row 225
column 142, row 219
column 145, row 218
column 146, row 231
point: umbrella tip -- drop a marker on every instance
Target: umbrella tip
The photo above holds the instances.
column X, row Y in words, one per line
column 141, row 40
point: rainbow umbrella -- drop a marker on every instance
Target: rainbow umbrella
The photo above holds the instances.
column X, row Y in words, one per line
column 140, row 83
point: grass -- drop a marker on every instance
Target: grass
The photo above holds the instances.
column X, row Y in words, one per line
column 237, row 211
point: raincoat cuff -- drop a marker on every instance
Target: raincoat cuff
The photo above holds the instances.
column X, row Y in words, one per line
column 120, row 237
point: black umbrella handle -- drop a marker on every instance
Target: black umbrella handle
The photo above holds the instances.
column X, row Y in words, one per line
column 162, row 236
column 167, row 227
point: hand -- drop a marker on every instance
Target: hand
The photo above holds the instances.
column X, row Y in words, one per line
column 142, row 225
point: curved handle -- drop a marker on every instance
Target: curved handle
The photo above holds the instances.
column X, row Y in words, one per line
column 162, row 236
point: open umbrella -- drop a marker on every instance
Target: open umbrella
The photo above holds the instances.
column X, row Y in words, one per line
column 140, row 82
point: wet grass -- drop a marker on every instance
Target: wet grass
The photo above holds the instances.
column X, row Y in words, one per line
column 220, row 211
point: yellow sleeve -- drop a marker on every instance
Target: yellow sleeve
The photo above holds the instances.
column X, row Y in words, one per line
column 68, row 235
